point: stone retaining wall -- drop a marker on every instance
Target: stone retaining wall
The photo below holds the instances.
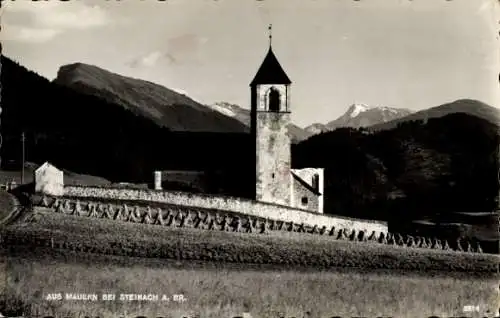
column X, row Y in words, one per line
column 196, row 217
column 228, row 204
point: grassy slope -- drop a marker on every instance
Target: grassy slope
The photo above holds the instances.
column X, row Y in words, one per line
column 222, row 291
column 282, row 280
column 285, row 249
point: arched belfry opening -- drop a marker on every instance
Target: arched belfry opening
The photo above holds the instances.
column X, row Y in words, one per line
column 274, row 100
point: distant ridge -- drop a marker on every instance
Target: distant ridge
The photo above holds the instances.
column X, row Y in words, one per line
column 467, row 106
column 162, row 105
column 360, row 115
column 243, row 115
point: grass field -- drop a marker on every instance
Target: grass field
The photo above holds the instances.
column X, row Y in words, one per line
column 218, row 290
column 288, row 249
column 224, row 274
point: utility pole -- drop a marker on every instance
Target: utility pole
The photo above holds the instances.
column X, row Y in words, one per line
column 1, row 142
column 22, row 168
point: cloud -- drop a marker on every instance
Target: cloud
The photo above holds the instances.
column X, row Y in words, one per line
column 30, row 21
column 182, row 49
column 24, row 34
column 150, row 59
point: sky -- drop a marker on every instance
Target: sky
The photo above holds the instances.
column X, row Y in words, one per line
column 411, row 54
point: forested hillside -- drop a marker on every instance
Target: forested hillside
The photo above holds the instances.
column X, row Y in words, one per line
column 89, row 135
column 416, row 172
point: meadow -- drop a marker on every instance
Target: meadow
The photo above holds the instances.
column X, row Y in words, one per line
column 228, row 290
column 226, row 274
column 103, row 236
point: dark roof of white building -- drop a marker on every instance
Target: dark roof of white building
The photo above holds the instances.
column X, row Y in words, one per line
column 305, row 184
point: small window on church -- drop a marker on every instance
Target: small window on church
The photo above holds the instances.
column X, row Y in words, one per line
column 304, row 200
column 274, row 100
column 272, row 175
column 315, row 181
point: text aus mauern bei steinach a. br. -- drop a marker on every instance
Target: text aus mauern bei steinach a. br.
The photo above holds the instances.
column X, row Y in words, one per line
column 123, row 297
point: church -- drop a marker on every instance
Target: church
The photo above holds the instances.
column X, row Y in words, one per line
column 276, row 182
column 274, row 179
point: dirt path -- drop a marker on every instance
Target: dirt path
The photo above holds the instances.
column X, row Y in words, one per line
column 9, row 205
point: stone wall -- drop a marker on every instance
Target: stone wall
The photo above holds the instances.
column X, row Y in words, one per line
column 209, row 219
column 229, row 204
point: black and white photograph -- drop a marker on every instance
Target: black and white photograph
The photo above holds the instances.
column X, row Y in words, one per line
column 249, row 158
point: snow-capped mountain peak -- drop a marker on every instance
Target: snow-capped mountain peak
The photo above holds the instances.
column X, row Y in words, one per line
column 225, row 108
column 243, row 115
column 356, row 109
column 361, row 115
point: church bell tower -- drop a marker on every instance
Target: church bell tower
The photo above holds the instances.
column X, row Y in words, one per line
column 270, row 117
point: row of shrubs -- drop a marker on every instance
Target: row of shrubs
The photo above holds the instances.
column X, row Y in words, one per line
column 131, row 240
column 202, row 218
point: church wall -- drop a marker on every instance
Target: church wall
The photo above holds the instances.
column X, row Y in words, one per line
column 299, row 193
column 307, row 174
column 232, row 204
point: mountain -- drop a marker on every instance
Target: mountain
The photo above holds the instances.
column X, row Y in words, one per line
column 164, row 106
column 360, row 115
column 232, row 110
column 119, row 139
column 243, row 115
column 316, row 128
column 437, row 176
column 467, row 106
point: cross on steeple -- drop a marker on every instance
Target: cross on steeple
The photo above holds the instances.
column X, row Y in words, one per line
column 270, row 28
column 270, row 71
